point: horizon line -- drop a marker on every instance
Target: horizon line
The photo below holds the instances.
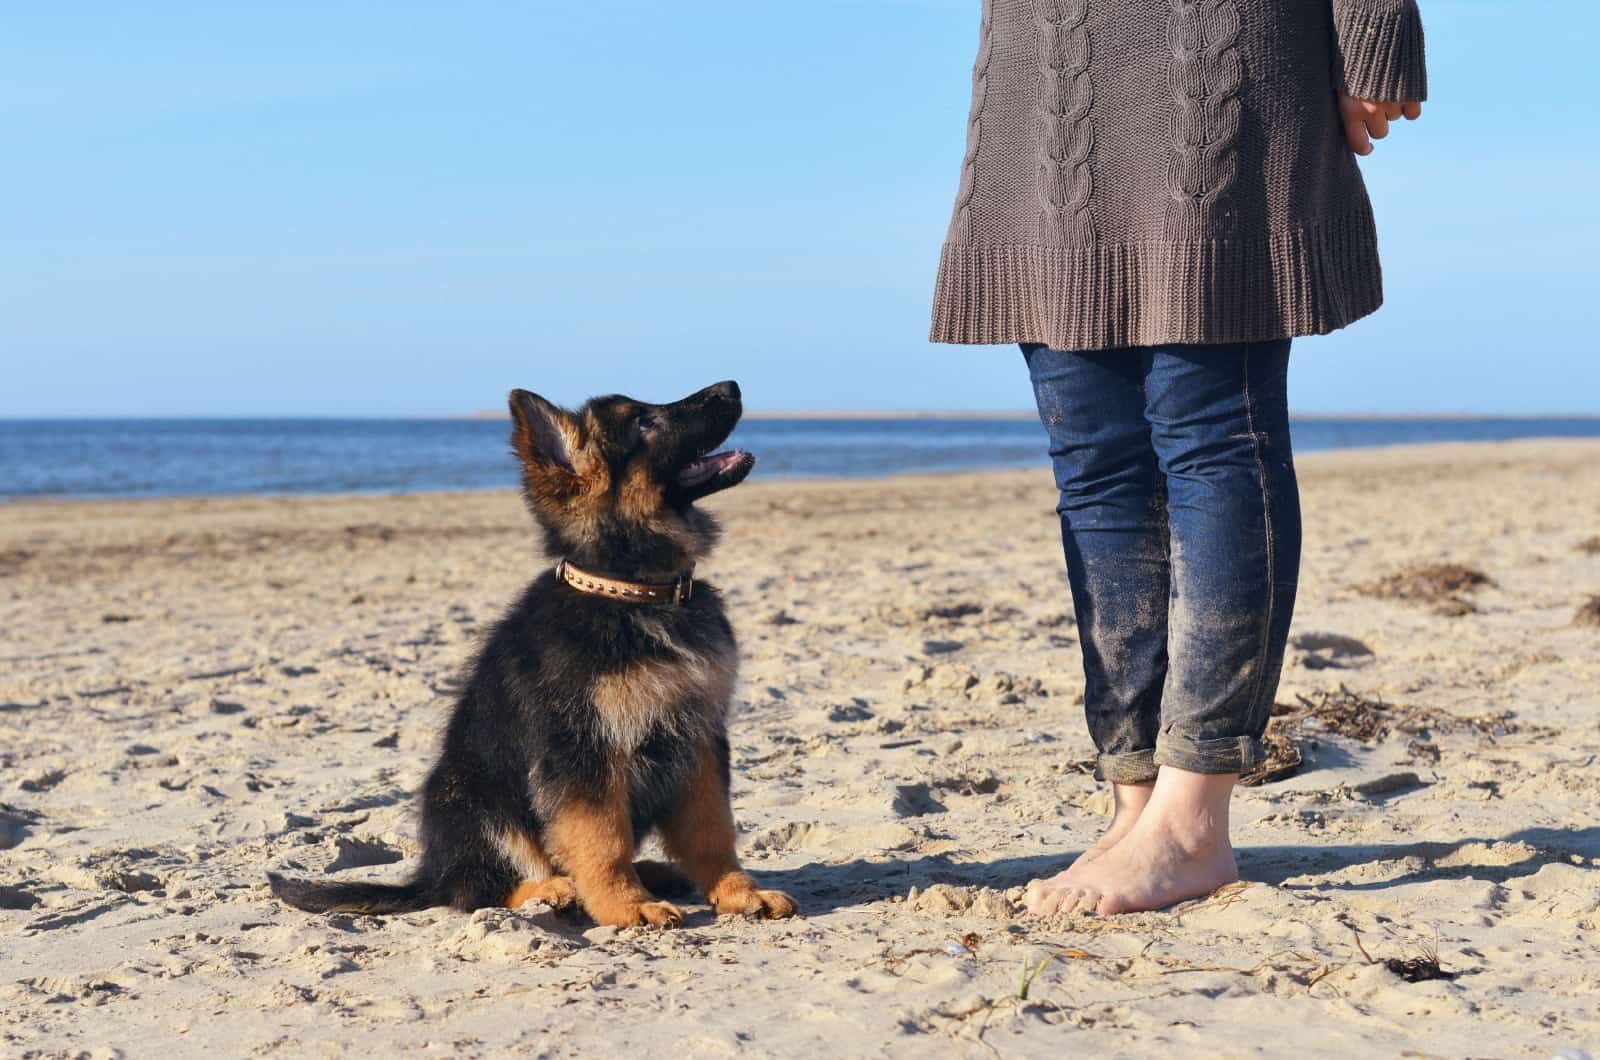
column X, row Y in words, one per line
column 801, row 414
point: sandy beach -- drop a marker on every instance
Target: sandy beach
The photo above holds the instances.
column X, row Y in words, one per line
column 193, row 692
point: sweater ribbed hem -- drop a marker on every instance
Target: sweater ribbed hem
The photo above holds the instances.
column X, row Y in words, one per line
column 1306, row 282
column 1381, row 49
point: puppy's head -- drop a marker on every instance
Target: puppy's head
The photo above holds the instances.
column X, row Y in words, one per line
column 614, row 483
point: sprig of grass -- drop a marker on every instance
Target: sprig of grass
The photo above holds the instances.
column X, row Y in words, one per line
column 1025, row 982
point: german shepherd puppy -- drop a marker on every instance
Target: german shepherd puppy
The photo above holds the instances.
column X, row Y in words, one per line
column 595, row 712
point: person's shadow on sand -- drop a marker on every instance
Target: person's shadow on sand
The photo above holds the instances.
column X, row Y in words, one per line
column 826, row 888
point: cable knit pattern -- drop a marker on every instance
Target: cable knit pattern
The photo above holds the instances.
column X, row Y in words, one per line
column 980, row 85
column 1066, row 136
column 1205, row 73
column 1380, row 49
column 1144, row 172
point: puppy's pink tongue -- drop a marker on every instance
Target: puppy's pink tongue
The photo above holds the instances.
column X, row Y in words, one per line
column 707, row 466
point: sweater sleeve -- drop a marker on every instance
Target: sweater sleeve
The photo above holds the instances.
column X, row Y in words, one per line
column 1379, row 49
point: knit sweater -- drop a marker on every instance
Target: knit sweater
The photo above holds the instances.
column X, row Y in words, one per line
column 1143, row 172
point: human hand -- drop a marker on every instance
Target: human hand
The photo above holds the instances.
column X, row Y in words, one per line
column 1366, row 120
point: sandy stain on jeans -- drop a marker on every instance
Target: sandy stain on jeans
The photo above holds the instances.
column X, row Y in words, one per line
column 1119, row 642
column 1197, row 627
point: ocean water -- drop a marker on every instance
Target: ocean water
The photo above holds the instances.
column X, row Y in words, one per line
column 154, row 458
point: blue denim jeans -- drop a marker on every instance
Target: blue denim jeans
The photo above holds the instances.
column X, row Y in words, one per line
column 1180, row 517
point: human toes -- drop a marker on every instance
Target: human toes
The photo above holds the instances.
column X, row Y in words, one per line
column 1038, row 888
column 1046, row 897
column 1038, row 892
column 1084, row 900
column 1109, row 903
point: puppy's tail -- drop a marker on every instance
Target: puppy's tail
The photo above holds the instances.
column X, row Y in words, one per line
column 377, row 899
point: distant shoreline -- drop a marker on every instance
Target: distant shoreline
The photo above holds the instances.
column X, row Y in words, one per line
column 849, row 414
column 822, row 415
column 503, row 480
column 1028, row 414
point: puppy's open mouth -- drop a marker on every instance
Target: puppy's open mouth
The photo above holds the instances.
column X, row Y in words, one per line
column 715, row 471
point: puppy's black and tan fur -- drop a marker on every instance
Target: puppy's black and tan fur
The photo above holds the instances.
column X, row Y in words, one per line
column 588, row 722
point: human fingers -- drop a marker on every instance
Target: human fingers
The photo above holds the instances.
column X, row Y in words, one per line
column 1355, row 134
column 1392, row 111
column 1355, row 129
column 1376, row 121
column 1412, row 110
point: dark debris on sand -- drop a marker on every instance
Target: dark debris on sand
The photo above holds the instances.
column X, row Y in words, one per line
column 1282, row 742
column 1589, row 613
column 1590, row 546
column 1446, row 587
column 1347, row 713
column 1343, row 712
column 1419, row 969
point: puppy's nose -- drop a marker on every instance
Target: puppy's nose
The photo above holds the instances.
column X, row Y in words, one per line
column 727, row 389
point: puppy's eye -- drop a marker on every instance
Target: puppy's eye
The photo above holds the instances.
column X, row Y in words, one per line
column 645, row 423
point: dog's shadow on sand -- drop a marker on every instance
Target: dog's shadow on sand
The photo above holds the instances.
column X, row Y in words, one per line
column 824, row 888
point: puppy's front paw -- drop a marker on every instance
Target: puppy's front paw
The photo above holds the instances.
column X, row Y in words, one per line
column 558, row 893
column 775, row 905
column 659, row 914
column 768, row 905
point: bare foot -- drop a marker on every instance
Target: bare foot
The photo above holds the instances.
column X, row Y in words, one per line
column 1131, row 801
column 1178, row 849
column 1151, row 868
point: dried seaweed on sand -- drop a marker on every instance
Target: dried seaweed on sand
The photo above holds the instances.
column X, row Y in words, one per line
column 1416, row 969
column 1283, row 757
column 1369, row 719
column 1446, row 587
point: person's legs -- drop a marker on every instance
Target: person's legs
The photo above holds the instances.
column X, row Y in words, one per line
column 1114, row 534
column 1220, row 427
column 1220, row 424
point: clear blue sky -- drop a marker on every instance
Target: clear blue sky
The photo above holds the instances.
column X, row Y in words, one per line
column 407, row 208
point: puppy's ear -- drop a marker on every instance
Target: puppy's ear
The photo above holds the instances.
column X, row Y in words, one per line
column 545, row 438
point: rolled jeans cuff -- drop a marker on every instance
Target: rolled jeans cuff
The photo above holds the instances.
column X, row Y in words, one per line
column 1135, row 767
column 1230, row 754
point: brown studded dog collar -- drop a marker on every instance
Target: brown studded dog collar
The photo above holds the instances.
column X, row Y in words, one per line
column 676, row 591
